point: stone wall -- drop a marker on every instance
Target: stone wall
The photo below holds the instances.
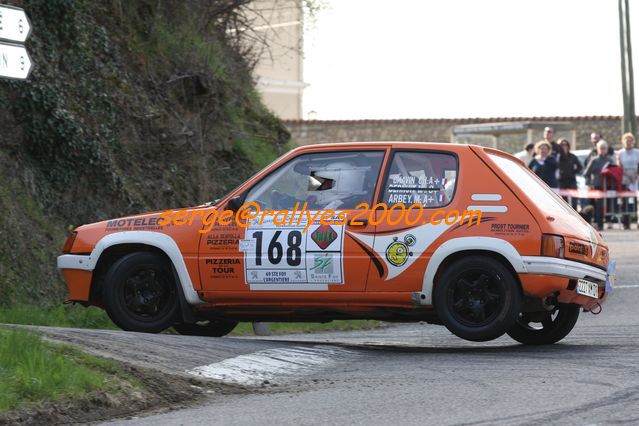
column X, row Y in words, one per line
column 306, row 132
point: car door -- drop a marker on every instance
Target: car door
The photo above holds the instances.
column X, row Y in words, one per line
column 418, row 185
column 296, row 238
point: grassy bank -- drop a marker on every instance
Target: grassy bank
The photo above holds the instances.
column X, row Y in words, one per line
column 33, row 371
column 76, row 316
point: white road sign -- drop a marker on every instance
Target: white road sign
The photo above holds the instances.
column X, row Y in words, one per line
column 14, row 24
column 14, row 61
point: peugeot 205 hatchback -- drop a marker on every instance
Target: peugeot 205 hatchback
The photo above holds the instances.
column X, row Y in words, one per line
column 457, row 235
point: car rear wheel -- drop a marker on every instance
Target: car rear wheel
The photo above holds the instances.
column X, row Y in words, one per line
column 140, row 293
column 545, row 328
column 210, row 328
column 477, row 298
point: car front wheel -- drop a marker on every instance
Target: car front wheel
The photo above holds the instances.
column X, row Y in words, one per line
column 140, row 293
column 477, row 298
column 545, row 328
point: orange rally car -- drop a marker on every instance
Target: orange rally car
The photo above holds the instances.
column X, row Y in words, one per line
column 399, row 249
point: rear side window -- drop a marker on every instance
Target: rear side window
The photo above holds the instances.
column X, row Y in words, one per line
column 544, row 197
column 427, row 178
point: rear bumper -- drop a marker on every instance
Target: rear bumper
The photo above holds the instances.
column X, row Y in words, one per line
column 562, row 268
column 546, row 275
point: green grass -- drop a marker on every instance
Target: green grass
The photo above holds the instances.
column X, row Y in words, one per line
column 260, row 153
column 246, row 328
column 183, row 43
column 33, row 371
column 58, row 316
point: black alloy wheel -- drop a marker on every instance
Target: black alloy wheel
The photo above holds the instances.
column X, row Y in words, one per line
column 140, row 293
column 545, row 328
column 475, row 297
column 146, row 293
column 478, row 298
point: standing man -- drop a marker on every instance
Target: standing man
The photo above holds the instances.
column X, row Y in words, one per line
column 549, row 136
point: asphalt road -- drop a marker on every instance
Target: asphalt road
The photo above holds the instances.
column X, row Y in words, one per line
column 407, row 374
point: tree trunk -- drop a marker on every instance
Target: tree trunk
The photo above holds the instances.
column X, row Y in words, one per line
column 625, row 123
column 631, row 85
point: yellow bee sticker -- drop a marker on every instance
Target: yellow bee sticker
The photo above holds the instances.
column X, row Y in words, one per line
column 397, row 252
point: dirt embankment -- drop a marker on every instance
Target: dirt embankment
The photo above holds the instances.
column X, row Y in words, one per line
column 159, row 392
column 132, row 105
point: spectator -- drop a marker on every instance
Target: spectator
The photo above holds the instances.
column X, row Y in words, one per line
column 628, row 159
column 595, row 137
column 527, row 154
column 569, row 167
column 549, row 136
column 543, row 164
column 594, row 179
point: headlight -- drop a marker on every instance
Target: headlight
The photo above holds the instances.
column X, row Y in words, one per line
column 68, row 245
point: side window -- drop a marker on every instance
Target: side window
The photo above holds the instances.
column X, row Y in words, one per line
column 328, row 180
column 421, row 177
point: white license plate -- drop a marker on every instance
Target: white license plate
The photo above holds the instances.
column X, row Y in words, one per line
column 588, row 288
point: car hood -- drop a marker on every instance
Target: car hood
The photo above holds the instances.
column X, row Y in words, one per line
column 88, row 235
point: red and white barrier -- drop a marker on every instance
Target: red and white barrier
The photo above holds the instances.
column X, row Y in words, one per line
column 596, row 193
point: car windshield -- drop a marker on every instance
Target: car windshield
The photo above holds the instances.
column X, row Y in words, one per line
column 539, row 192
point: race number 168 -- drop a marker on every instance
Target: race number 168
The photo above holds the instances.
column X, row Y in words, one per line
column 268, row 245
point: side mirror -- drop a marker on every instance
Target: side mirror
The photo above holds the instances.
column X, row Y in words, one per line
column 234, row 203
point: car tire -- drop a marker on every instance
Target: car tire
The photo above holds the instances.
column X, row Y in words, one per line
column 140, row 293
column 551, row 329
column 209, row 328
column 478, row 298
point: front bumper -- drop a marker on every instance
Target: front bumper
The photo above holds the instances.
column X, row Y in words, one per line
column 75, row 261
column 77, row 271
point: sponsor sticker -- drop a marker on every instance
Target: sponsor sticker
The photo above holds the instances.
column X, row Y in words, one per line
column 324, row 236
column 133, row 224
column 287, row 255
column 510, row 228
column 397, row 252
column 578, row 248
column 222, row 268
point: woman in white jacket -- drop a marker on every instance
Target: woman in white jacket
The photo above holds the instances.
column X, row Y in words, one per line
column 628, row 159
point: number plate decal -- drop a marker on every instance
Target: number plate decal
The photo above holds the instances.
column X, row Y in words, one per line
column 588, row 288
column 287, row 258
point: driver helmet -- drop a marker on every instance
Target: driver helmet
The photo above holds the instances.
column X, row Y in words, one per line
column 332, row 183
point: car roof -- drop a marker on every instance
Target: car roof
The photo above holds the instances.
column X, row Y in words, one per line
column 383, row 144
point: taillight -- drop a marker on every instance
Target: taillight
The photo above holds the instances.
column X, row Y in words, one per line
column 69, row 242
column 552, row 245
